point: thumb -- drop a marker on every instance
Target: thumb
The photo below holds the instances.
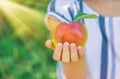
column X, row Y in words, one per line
column 49, row 44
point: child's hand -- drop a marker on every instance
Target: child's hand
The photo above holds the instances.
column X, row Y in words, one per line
column 66, row 52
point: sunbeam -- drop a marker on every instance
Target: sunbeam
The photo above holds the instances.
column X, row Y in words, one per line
column 22, row 19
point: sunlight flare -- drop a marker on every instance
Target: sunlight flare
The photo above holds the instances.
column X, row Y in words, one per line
column 22, row 19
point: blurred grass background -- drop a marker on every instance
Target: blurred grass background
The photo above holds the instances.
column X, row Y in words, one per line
column 23, row 54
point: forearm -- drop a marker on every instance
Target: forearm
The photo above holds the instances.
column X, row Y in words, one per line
column 76, row 70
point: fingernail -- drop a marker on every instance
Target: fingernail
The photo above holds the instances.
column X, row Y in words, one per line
column 66, row 43
column 79, row 47
column 73, row 45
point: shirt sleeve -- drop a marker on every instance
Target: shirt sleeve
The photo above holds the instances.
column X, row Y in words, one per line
column 60, row 72
column 63, row 10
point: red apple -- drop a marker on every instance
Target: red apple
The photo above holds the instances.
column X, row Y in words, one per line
column 74, row 32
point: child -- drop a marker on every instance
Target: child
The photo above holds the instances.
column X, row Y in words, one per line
column 100, row 59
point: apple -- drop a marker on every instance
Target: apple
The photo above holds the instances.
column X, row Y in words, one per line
column 74, row 32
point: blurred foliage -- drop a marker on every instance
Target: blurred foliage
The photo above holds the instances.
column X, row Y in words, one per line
column 23, row 54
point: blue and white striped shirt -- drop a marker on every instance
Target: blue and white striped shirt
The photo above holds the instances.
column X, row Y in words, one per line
column 103, row 45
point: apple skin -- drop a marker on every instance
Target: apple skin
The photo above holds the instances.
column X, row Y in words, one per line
column 74, row 32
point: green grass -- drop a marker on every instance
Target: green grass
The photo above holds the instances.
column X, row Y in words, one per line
column 25, row 56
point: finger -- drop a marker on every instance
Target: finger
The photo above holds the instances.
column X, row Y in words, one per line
column 74, row 53
column 81, row 51
column 49, row 44
column 58, row 52
column 66, row 53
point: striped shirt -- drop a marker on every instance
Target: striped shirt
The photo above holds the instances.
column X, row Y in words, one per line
column 102, row 48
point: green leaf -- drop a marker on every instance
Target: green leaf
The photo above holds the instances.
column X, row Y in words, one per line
column 80, row 16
